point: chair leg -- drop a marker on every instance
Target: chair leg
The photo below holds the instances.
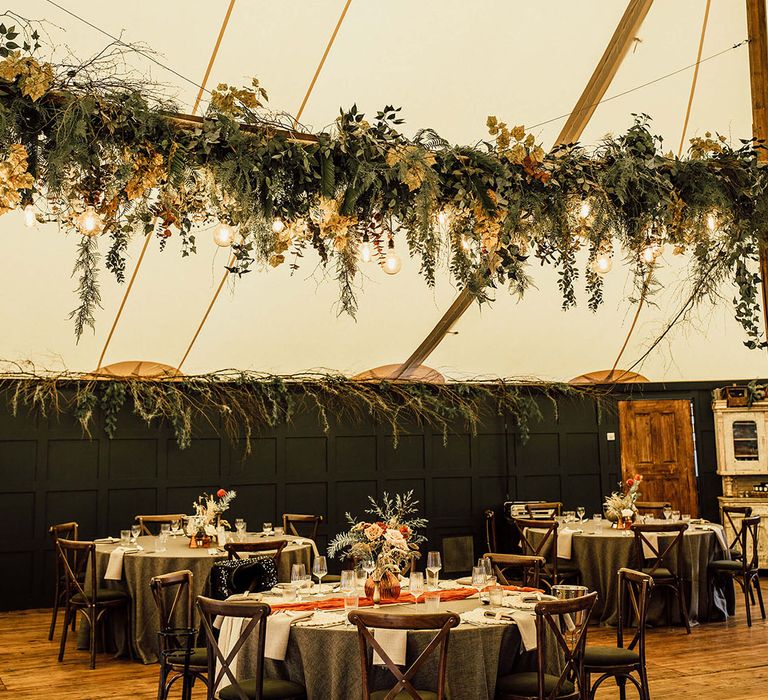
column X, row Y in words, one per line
column 756, row 582
column 644, row 683
column 622, row 683
column 55, row 614
column 161, row 683
column 94, row 630
column 747, row 606
column 63, row 644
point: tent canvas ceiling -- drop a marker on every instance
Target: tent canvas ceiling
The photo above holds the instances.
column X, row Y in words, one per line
column 449, row 64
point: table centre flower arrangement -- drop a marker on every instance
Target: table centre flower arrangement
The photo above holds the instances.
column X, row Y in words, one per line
column 202, row 526
column 620, row 506
column 390, row 539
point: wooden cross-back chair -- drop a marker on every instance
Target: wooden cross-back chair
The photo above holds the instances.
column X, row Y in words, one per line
column 302, row 525
column 235, row 549
column 551, row 627
column 621, row 661
column 745, row 570
column 528, row 567
column 665, row 565
column 403, row 688
column 733, row 517
column 67, row 531
column 655, row 508
column 179, row 659
column 553, row 571
column 489, row 519
column 169, row 519
column 83, row 595
column 255, row 687
column 549, row 508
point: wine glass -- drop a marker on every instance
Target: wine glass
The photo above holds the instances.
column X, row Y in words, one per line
column 175, row 527
column 433, row 568
column 135, row 532
column 478, row 578
column 416, row 585
column 348, row 582
column 581, row 512
column 368, row 565
column 320, row 569
column 240, row 526
column 676, row 515
column 361, row 577
column 667, row 511
column 266, row 528
column 165, row 529
column 298, row 571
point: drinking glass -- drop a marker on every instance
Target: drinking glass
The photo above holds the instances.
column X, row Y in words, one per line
column 432, row 601
column 165, row 528
column 416, row 585
column 686, row 516
column 298, row 571
column 320, row 569
column 676, row 515
column 135, row 532
column 240, row 526
column 496, row 596
column 351, row 602
column 348, row 582
column 125, row 538
column 485, row 562
column 570, row 516
column 581, row 512
column 161, row 541
column 175, row 527
column 266, row 528
column 279, row 531
column 433, row 569
column 597, row 519
column 478, row 578
column 667, row 511
column 361, row 577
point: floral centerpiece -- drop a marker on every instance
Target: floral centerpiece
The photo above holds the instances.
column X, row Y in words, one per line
column 390, row 538
column 620, row 505
column 208, row 509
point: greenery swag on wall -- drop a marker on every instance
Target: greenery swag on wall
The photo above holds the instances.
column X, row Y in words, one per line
column 104, row 156
column 237, row 404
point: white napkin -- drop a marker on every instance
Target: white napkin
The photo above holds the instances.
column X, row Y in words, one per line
column 720, row 534
column 115, row 565
column 565, row 542
column 653, row 538
column 526, row 623
column 279, row 630
column 229, row 633
column 106, row 540
column 304, row 540
column 393, row 642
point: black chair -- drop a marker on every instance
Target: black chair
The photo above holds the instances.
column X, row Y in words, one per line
column 85, row 596
column 621, row 661
column 665, row 565
column 179, row 658
column 527, row 568
column 167, row 519
column 745, row 570
column 251, row 575
column 733, row 517
column 67, row 531
column 403, row 689
column 550, row 625
column 256, row 687
column 554, row 570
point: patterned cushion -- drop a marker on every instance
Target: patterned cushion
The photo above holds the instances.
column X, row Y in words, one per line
column 527, row 685
column 273, row 690
column 239, row 575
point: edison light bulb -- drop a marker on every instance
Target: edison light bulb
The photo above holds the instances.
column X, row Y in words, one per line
column 89, row 222
column 366, row 251
column 442, row 219
column 29, row 216
column 466, row 244
column 651, row 252
column 223, row 235
column 585, row 209
column 602, row 264
column 392, row 262
column 278, row 226
column 711, row 221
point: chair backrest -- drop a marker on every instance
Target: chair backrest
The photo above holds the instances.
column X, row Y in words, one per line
column 74, row 557
column 547, row 545
column 551, row 624
column 663, row 556
column 301, row 525
column 528, row 567
column 655, row 507
column 235, row 549
column 168, row 518
column 750, row 531
column 65, row 531
column 633, row 593
column 549, row 509
column 367, row 620
column 256, row 614
column 489, row 518
column 173, row 596
column 735, row 523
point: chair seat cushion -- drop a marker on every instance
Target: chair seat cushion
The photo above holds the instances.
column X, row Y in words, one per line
column 404, row 695
column 660, row 573
column 198, row 657
column 736, row 553
column 103, row 595
column 527, row 684
column 274, row 689
column 610, row 656
column 565, row 567
column 726, row 565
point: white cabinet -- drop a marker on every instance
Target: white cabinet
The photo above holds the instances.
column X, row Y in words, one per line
column 759, row 507
column 742, row 438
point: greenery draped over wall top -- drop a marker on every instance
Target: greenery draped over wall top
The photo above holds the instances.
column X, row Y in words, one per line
column 96, row 154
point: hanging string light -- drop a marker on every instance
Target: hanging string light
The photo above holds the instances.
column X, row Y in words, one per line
column 466, row 243
column 585, row 209
column 602, row 263
column 90, row 222
column 711, row 221
column 278, row 226
column 366, row 250
column 392, row 262
column 223, row 235
column 651, row 252
column 29, row 215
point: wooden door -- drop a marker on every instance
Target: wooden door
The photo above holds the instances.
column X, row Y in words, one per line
column 657, row 442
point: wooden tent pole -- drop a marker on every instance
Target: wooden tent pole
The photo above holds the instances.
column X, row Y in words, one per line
column 598, row 84
column 758, row 80
column 214, row 53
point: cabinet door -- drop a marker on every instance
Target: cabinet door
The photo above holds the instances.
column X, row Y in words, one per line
column 744, row 442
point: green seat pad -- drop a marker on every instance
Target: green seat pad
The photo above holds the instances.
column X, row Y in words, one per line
column 198, row 657
column 610, row 656
column 527, row 684
column 658, row 573
column 726, row 565
column 736, row 553
column 103, row 595
column 403, row 695
column 564, row 566
column 273, row 690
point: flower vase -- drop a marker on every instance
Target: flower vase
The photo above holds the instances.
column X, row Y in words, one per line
column 382, row 586
column 625, row 522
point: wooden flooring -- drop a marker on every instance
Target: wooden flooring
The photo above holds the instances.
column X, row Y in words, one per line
column 718, row 661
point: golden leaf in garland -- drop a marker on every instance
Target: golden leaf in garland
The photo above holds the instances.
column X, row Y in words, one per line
column 518, row 132
column 413, row 163
column 332, row 224
column 276, row 260
column 35, row 79
column 14, row 177
column 236, row 102
column 11, row 66
column 148, row 170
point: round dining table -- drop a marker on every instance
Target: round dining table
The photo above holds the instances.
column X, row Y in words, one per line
column 139, row 568
column 599, row 550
